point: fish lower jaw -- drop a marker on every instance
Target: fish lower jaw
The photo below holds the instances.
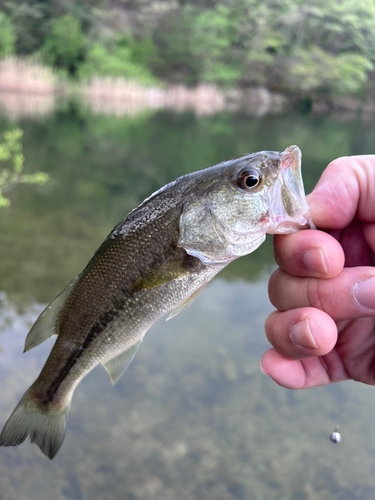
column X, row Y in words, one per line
column 232, row 250
column 249, row 246
column 285, row 225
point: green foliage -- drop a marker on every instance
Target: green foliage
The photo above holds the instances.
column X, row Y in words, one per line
column 213, row 37
column 309, row 48
column 316, row 70
column 29, row 20
column 142, row 51
column 33, row 19
column 336, row 27
column 118, row 61
column 199, row 45
column 174, row 59
column 64, row 46
column 7, row 36
column 12, row 160
column 316, row 47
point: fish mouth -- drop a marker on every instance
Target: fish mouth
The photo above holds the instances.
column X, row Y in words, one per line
column 289, row 211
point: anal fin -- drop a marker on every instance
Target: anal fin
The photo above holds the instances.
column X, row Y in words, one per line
column 117, row 365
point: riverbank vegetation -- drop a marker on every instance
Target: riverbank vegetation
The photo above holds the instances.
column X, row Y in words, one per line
column 321, row 50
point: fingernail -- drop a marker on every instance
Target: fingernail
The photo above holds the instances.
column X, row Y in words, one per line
column 300, row 335
column 314, row 260
column 364, row 292
column 263, row 370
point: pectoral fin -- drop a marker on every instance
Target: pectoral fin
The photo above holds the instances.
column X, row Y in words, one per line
column 45, row 326
column 185, row 303
column 164, row 274
column 116, row 366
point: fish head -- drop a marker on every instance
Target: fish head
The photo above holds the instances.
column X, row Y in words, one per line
column 235, row 204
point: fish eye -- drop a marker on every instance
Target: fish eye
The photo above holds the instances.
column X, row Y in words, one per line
column 249, row 180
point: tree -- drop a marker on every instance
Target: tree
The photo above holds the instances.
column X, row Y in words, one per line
column 126, row 58
column 315, row 47
column 7, row 36
column 213, row 39
column 64, row 46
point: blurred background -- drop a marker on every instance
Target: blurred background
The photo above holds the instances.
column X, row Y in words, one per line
column 315, row 55
column 102, row 103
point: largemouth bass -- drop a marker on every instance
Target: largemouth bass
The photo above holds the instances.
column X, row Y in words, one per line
column 158, row 259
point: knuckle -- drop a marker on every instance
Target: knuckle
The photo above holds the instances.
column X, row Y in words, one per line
column 320, row 295
column 269, row 328
column 336, row 163
column 273, row 288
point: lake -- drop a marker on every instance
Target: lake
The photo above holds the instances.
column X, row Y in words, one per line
column 193, row 418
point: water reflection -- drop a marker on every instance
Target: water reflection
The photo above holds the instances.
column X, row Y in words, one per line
column 17, row 105
column 102, row 167
column 117, row 97
column 193, row 418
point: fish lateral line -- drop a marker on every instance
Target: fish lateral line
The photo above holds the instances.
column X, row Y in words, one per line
column 95, row 330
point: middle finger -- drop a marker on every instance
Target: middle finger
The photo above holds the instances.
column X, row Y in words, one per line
column 349, row 295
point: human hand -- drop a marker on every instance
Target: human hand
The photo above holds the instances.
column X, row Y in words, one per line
column 324, row 290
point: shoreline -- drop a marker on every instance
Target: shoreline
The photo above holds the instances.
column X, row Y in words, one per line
column 29, row 89
column 129, row 98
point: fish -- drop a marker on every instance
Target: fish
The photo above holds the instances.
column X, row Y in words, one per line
column 157, row 260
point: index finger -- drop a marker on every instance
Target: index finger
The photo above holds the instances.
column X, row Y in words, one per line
column 309, row 254
column 346, row 190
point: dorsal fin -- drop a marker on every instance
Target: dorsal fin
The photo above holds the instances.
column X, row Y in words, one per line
column 45, row 326
column 116, row 366
column 186, row 303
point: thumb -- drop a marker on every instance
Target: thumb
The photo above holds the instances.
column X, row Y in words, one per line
column 345, row 190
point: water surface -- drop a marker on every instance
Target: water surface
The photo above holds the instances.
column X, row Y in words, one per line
column 193, row 417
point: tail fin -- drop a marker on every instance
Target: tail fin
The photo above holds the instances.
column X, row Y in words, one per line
column 46, row 427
